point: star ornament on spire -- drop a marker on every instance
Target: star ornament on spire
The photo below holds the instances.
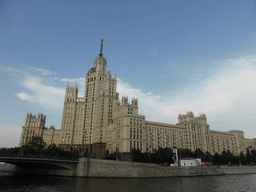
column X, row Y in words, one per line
column 101, row 47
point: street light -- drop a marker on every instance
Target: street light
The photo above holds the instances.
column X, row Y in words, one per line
column 121, row 154
column 131, row 151
column 117, row 153
column 23, row 146
column 148, row 150
column 85, row 151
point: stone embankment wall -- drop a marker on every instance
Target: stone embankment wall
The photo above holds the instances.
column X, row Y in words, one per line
column 105, row 168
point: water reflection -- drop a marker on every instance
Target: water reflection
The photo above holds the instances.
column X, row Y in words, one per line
column 53, row 183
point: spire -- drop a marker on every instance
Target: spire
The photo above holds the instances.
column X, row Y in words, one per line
column 101, row 47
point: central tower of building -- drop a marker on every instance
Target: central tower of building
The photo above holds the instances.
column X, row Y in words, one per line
column 100, row 97
column 85, row 119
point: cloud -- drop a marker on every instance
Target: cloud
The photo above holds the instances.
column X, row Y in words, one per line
column 147, row 100
column 48, row 92
column 23, row 96
column 44, row 71
column 38, row 91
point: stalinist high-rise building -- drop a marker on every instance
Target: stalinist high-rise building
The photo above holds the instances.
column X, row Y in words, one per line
column 102, row 123
column 85, row 119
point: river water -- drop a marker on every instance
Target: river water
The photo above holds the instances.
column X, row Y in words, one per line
column 9, row 182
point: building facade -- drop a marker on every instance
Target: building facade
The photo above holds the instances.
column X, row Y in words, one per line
column 104, row 123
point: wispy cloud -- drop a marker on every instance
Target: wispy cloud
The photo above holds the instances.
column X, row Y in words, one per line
column 37, row 88
column 38, row 91
column 24, row 96
column 48, row 92
column 44, row 71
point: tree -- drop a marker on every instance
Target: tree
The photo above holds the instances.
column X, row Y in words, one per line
column 51, row 150
column 248, row 156
column 185, row 152
column 136, row 155
column 207, row 156
column 230, row 158
column 198, row 153
column 253, row 157
column 217, row 159
column 162, row 155
column 10, row 152
column 35, row 146
column 242, row 158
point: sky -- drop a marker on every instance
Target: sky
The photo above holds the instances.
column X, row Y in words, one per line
column 173, row 55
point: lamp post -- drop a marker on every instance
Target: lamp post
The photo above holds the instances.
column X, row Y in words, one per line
column 121, row 154
column 148, row 151
column 131, row 151
column 85, row 151
column 23, row 146
column 130, row 147
column 117, row 154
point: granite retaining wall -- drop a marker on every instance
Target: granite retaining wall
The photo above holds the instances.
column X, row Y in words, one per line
column 106, row 168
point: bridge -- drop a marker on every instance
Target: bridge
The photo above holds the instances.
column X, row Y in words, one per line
column 43, row 165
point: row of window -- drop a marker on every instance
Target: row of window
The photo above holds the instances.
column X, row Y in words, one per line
column 136, row 122
column 136, row 133
column 32, row 123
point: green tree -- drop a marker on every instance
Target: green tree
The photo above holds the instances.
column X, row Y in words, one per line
column 35, row 146
column 242, row 158
column 253, row 157
column 136, row 155
column 207, row 156
column 52, row 150
column 185, row 152
column 248, row 157
column 10, row 152
column 162, row 155
column 198, row 153
column 230, row 158
column 224, row 156
column 217, row 159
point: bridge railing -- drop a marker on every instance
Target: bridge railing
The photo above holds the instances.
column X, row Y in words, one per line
column 39, row 157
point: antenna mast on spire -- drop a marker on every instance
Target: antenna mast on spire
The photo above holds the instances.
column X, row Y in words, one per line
column 101, row 47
